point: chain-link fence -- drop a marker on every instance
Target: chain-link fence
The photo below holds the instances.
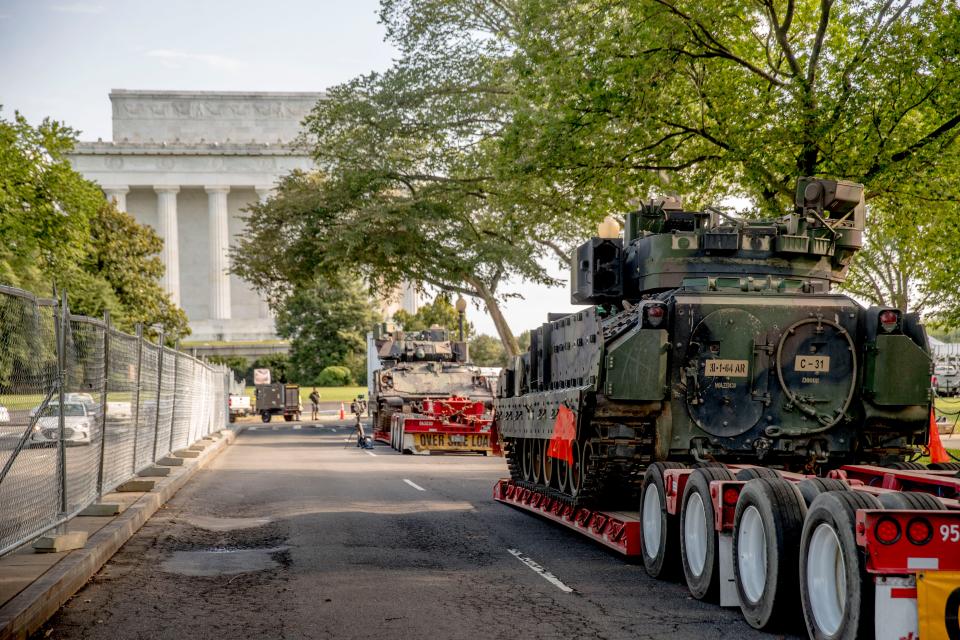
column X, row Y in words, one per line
column 84, row 407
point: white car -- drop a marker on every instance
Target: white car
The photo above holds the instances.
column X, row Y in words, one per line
column 77, row 424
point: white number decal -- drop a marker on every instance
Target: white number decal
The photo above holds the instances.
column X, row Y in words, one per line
column 950, row 532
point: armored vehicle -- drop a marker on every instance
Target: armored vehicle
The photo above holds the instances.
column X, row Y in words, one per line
column 713, row 339
column 412, row 367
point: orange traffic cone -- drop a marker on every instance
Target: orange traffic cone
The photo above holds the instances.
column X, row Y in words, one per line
column 342, row 414
column 937, row 452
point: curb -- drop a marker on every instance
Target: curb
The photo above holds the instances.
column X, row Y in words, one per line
column 26, row 612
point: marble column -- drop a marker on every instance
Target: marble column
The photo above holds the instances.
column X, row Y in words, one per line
column 118, row 195
column 219, row 231
column 167, row 230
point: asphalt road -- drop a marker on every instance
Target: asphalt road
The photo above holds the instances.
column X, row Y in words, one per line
column 290, row 534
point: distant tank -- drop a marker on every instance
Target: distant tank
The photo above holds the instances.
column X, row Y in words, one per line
column 711, row 339
column 411, row 367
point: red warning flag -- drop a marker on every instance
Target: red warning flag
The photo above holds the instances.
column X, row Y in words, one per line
column 937, row 452
column 564, row 433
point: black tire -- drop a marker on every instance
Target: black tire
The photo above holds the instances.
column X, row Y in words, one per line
column 768, row 599
column 705, row 584
column 537, row 460
column 660, row 558
column 751, row 473
column 910, row 500
column 944, row 466
column 905, row 466
column 265, row 416
column 232, row 418
column 836, row 513
column 548, row 472
column 812, row 487
column 287, row 417
column 575, row 477
column 708, row 465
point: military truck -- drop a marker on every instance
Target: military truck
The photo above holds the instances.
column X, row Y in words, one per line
column 713, row 339
column 414, row 372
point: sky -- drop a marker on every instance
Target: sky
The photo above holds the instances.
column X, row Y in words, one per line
column 61, row 58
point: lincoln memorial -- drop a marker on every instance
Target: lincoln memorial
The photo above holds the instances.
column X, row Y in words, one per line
column 187, row 163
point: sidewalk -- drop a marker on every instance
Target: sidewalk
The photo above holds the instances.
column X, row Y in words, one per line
column 34, row 585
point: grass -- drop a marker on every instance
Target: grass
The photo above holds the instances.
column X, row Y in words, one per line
column 327, row 394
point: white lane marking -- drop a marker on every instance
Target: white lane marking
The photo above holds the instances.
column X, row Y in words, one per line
column 253, row 428
column 414, row 485
column 332, row 430
column 297, row 427
column 543, row 573
column 370, row 453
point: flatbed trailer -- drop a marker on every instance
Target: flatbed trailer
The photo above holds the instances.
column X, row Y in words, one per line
column 447, row 425
column 867, row 552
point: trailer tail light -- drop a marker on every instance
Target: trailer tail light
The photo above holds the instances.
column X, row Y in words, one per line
column 889, row 320
column 730, row 496
column 919, row 531
column 655, row 314
column 887, row 530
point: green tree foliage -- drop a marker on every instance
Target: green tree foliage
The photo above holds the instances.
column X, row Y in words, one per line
column 57, row 230
column 237, row 364
column 715, row 99
column 487, row 351
column 334, row 376
column 325, row 323
column 441, row 312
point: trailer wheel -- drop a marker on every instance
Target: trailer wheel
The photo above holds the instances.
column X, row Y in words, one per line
column 944, row 466
column 905, row 466
column 287, row 417
column 751, row 473
column 563, row 472
column 910, row 500
column 698, row 539
column 265, row 416
column 658, row 529
column 766, row 539
column 526, row 448
column 836, row 593
column 812, row 487
column 537, row 459
column 232, row 418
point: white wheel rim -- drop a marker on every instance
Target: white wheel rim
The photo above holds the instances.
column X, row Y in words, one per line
column 695, row 534
column 826, row 579
column 651, row 515
column 752, row 554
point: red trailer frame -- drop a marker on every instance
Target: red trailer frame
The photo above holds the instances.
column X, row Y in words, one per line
column 453, row 424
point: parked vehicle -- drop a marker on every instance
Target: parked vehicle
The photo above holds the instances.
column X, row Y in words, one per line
column 78, row 424
column 278, row 399
column 240, row 406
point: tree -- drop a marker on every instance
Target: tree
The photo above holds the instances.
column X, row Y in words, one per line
column 487, row 351
column 57, row 231
column 713, row 99
column 440, row 313
column 408, row 188
column 326, row 323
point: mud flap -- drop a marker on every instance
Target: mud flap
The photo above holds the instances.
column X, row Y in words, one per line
column 728, row 585
column 895, row 609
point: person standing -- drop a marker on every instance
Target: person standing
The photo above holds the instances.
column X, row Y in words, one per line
column 314, row 404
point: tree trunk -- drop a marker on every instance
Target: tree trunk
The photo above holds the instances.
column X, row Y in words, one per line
column 509, row 341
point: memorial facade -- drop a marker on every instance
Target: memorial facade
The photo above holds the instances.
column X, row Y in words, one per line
column 187, row 163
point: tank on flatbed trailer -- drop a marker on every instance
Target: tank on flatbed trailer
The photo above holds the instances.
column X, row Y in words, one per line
column 715, row 339
column 417, row 374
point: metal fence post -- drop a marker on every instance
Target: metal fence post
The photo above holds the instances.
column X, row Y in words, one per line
column 173, row 409
column 63, row 326
column 103, row 400
column 156, row 417
column 136, row 396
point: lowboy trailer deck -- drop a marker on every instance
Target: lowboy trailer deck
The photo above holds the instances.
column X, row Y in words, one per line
column 449, row 425
column 869, row 552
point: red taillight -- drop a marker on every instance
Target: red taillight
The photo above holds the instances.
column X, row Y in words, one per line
column 655, row 314
column 730, row 496
column 887, row 530
column 889, row 320
column 919, row 531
